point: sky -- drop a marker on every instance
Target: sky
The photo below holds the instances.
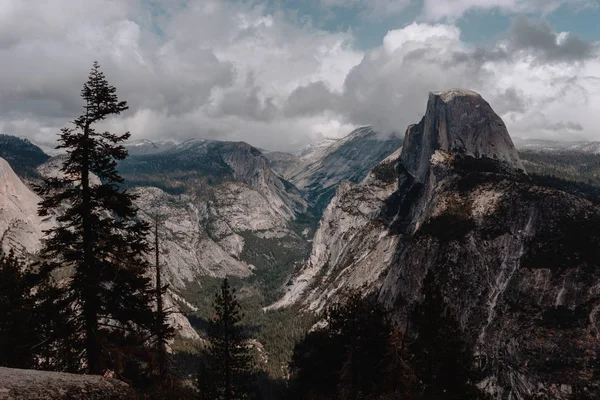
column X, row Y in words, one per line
column 280, row 74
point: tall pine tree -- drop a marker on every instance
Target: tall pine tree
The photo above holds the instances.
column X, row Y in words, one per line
column 226, row 373
column 99, row 237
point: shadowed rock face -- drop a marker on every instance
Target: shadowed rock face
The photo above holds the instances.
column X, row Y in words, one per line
column 517, row 264
column 458, row 122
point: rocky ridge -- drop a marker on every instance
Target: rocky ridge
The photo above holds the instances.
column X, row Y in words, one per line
column 225, row 193
column 517, row 263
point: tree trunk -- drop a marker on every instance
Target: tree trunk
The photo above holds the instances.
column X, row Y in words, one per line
column 90, row 297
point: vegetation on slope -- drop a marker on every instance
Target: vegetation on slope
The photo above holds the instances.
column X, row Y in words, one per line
column 22, row 155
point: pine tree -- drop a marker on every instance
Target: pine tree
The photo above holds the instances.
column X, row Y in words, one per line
column 55, row 323
column 226, row 374
column 99, row 237
column 17, row 334
column 349, row 358
column 163, row 330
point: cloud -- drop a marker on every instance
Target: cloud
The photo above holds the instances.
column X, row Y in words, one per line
column 228, row 71
column 528, row 35
column 212, row 68
column 541, row 86
column 312, row 99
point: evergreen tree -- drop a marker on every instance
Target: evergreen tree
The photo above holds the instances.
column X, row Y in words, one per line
column 55, row 323
column 99, row 237
column 349, row 358
column 17, row 333
column 163, row 330
column 226, row 373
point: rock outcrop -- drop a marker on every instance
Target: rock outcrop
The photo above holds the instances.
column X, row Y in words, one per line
column 518, row 264
column 20, row 226
column 22, row 384
column 457, row 122
column 214, row 196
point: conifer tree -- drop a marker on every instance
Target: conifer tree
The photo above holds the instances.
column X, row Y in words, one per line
column 17, row 333
column 226, row 374
column 348, row 359
column 98, row 236
column 163, row 330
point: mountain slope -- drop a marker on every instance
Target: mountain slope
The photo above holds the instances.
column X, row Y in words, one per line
column 20, row 227
column 23, row 155
column 319, row 168
column 213, row 197
column 145, row 146
column 516, row 263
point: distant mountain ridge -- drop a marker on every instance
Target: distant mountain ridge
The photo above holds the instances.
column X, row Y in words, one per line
column 551, row 146
column 145, row 146
column 320, row 167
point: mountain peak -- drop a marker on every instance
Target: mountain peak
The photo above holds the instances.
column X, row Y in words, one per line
column 448, row 95
column 458, row 121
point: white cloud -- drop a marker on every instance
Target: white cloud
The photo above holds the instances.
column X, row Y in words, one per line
column 542, row 88
column 216, row 69
column 238, row 72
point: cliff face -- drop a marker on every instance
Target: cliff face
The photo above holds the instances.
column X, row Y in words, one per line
column 20, row 226
column 214, row 197
column 517, row 264
column 457, row 122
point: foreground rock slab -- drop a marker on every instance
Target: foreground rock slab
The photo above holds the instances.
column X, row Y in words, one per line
column 22, row 384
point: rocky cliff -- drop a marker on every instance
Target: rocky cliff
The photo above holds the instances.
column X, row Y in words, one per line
column 20, row 227
column 517, row 263
column 213, row 196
